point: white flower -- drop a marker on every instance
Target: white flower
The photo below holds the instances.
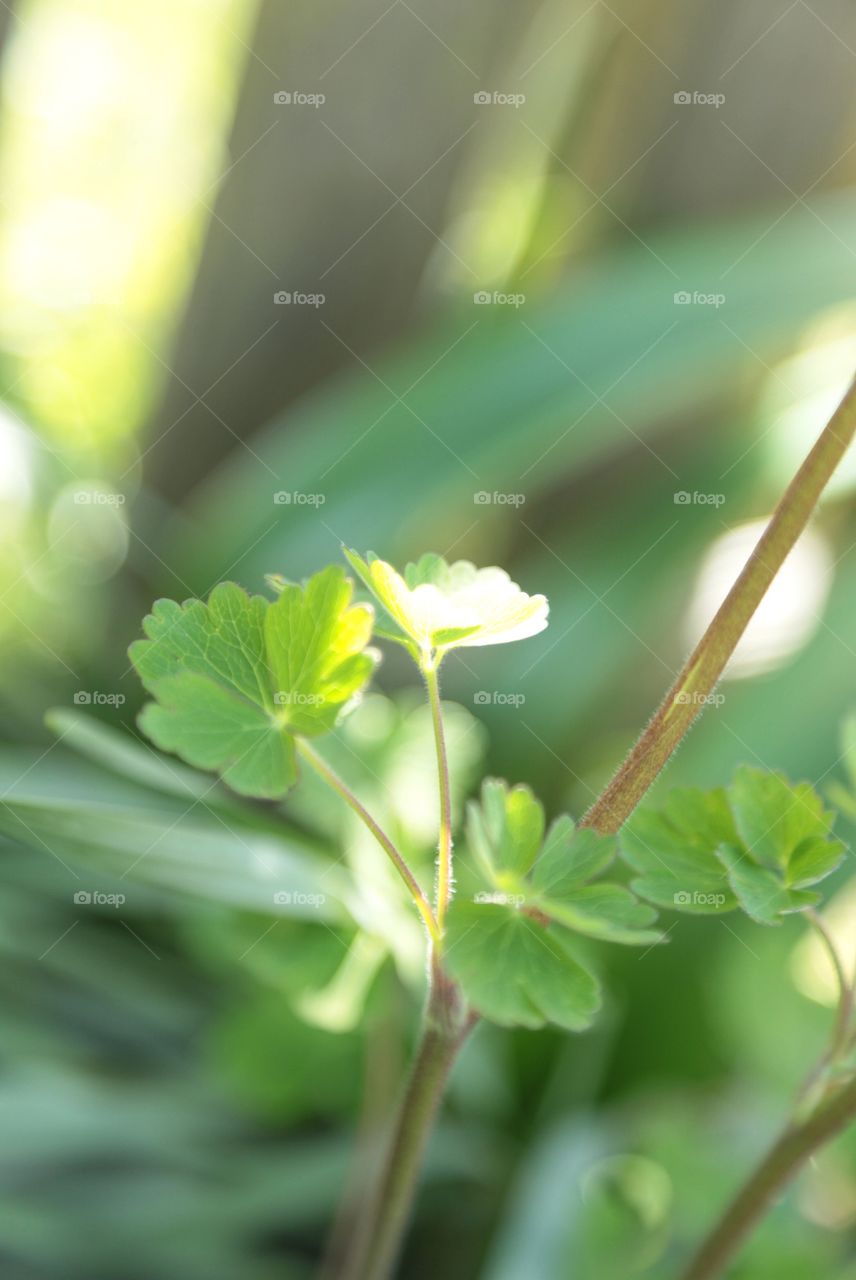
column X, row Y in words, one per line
column 442, row 606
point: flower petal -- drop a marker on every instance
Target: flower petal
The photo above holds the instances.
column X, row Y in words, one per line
column 448, row 606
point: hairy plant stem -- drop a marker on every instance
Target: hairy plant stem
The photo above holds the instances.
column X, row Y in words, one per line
column 444, row 1029
column 444, row 847
column 672, row 720
column 333, row 780
column 689, row 693
column 784, row 1160
column 445, row 1025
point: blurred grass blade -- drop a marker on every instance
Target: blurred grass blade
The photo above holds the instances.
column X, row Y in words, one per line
column 209, row 861
column 130, row 758
column 512, row 401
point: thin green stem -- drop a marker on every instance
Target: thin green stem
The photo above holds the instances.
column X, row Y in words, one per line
column 697, row 680
column 333, row 780
column 844, row 1012
column 444, row 1030
column 781, row 1164
column 444, row 848
column 816, row 1083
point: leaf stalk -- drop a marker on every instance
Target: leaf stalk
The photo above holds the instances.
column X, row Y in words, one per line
column 445, row 871
column 399, row 862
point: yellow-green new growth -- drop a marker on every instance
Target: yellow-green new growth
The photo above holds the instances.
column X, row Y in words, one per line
column 440, row 606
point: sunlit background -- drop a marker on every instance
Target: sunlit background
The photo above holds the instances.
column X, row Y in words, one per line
column 568, row 287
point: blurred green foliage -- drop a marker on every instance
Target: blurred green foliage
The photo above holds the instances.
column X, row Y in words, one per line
column 185, row 1075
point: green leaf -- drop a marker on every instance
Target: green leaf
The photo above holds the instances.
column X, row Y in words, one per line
column 758, row 845
column 760, row 892
column 516, row 972
column 222, row 641
column 236, row 679
column 785, row 844
column 448, row 637
column 570, row 857
column 206, row 666
column 208, row 726
column 316, row 650
column 606, row 911
column 773, row 816
column 506, row 829
column 674, row 850
column 813, row 861
column 519, row 900
column 429, row 568
column 383, row 633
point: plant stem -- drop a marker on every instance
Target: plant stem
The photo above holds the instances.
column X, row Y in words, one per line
column 779, row 1166
column 444, row 848
column 689, row 693
column 444, row 1031
column 381, row 1072
column 844, row 1013
column 333, row 780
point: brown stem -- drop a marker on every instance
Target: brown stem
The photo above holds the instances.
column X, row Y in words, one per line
column 445, row 1028
column 698, row 678
column 381, row 1071
column 773, row 1174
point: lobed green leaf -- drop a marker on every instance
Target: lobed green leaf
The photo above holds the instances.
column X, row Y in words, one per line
column 673, row 849
column 236, row 679
column 516, row 972
column 773, row 816
column 520, row 901
column 759, row 845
